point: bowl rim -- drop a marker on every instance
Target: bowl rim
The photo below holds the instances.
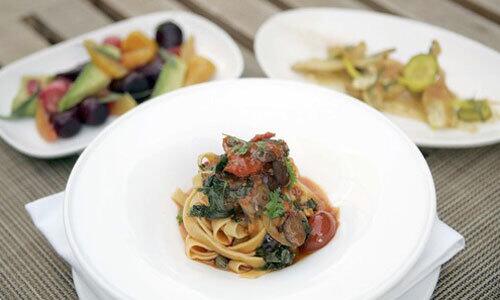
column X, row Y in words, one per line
column 97, row 279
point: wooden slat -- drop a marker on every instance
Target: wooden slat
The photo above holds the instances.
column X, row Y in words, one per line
column 329, row 3
column 447, row 14
column 488, row 8
column 19, row 8
column 69, row 18
column 240, row 17
column 252, row 68
column 17, row 40
column 127, row 8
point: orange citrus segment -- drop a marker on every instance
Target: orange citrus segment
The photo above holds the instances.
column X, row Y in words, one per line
column 123, row 105
column 43, row 125
column 108, row 65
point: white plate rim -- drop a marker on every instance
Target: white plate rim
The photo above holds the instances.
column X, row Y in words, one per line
column 423, row 142
column 98, row 279
column 426, row 286
column 77, row 148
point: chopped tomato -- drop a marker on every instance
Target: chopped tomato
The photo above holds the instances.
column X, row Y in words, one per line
column 260, row 137
column 113, row 41
column 323, row 229
column 243, row 166
column 52, row 93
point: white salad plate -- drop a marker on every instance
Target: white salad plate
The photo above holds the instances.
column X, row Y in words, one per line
column 211, row 41
column 121, row 225
column 472, row 69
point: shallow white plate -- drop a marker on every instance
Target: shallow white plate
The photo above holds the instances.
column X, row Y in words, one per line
column 121, row 225
column 472, row 69
column 211, row 41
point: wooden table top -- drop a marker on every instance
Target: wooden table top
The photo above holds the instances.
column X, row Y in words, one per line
column 467, row 181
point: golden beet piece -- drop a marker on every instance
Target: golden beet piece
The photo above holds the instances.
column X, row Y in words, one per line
column 43, row 125
column 199, row 70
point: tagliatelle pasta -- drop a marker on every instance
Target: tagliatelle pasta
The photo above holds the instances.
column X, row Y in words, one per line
column 249, row 212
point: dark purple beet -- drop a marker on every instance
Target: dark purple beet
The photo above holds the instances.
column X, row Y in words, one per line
column 92, row 112
column 67, row 123
column 135, row 84
column 169, row 35
column 151, row 71
column 72, row 73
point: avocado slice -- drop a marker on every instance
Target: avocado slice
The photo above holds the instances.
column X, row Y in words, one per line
column 90, row 81
column 24, row 104
column 171, row 76
column 110, row 51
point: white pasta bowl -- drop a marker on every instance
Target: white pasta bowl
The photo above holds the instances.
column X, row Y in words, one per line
column 211, row 42
column 121, row 223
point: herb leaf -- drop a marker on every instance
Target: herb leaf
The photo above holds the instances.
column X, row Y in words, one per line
column 311, row 204
column 307, row 227
column 179, row 218
column 276, row 255
column 241, row 149
column 221, row 262
column 221, row 164
column 238, row 146
column 275, row 207
column 215, row 189
column 291, row 172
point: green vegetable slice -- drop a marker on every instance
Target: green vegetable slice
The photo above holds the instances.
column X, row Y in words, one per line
column 474, row 110
column 420, row 72
column 26, row 109
column 351, row 70
column 110, row 51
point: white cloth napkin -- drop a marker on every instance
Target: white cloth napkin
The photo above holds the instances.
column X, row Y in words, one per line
column 444, row 243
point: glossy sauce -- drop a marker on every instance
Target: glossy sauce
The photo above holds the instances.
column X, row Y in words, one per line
column 323, row 206
column 323, row 202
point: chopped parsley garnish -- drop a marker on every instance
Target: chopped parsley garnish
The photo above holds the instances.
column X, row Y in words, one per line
column 275, row 207
column 291, row 172
column 238, row 146
column 179, row 218
column 261, row 145
column 241, row 149
column 221, row 262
